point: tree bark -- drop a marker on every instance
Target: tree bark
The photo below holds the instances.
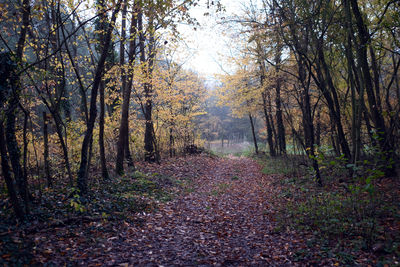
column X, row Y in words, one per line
column 307, row 117
column 19, row 212
column 279, row 118
column 380, row 128
column 7, row 73
column 25, row 149
column 82, row 173
column 253, row 132
column 281, row 142
column 150, row 155
column 103, row 161
column 58, row 123
column 171, row 143
column 46, row 150
column 123, row 138
column 269, row 128
column 14, row 151
column 333, row 103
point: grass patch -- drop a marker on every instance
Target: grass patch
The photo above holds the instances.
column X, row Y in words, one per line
column 220, row 189
column 188, row 185
column 155, row 186
column 118, row 198
column 124, row 196
column 235, row 178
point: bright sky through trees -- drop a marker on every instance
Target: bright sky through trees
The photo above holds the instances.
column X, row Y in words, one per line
column 208, row 43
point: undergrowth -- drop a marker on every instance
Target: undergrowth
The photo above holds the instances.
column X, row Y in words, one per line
column 116, row 200
column 133, row 192
column 356, row 221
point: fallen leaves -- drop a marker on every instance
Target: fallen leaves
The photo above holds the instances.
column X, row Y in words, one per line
column 219, row 221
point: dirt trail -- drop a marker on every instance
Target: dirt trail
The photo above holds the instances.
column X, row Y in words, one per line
column 222, row 221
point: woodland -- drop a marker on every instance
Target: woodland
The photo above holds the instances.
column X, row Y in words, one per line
column 115, row 153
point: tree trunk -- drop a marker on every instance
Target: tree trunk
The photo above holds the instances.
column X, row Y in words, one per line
column 46, row 150
column 19, row 212
column 354, row 83
column 253, row 132
column 123, row 138
column 171, row 143
column 269, row 128
column 128, row 155
column 281, row 139
column 279, row 118
column 123, row 128
column 82, row 173
column 335, row 107
column 25, row 148
column 307, row 117
column 103, row 161
column 149, row 139
column 272, row 123
column 7, row 70
column 14, row 151
column 12, row 85
column 58, row 121
column 318, row 130
column 381, row 131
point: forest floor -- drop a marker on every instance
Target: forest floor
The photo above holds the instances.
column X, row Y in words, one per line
column 222, row 213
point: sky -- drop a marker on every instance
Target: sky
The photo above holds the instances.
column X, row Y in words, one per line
column 208, row 45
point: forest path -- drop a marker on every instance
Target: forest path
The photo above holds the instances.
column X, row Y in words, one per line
column 223, row 219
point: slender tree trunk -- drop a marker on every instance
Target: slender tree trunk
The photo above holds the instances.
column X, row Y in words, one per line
column 279, row 118
column 318, row 130
column 325, row 84
column 149, row 139
column 272, row 123
column 46, row 150
column 82, row 173
column 336, row 110
column 123, row 138
column 309, row 137
column 119, row 164
column 14, row 151
column 58, row 121
column 381, row 131
column 253, row 132
column 128, row 155
column 19, row 212
column 103, row 161
column 102, row 25
column 353, row 83
column 36, row 157
column 281, row 139
column 307, row 117
column 7, row 84
column 171, row 143
column 25, row 150
column 12, row 84
column 269, row 128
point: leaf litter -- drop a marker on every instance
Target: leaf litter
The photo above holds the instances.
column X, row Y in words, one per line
column 222, row 215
